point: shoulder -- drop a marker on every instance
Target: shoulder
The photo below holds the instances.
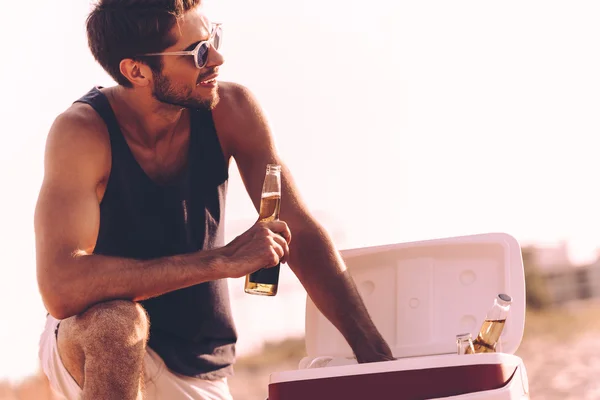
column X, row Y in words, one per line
column 81, row 124
column 239, row 117
column 234, row 94
column 78, row 138
column 237, row 104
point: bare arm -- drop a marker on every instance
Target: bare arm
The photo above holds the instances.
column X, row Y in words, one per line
column 321, row 270
column 70, row 277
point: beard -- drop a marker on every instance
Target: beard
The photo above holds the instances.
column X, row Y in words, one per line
column 167, row 92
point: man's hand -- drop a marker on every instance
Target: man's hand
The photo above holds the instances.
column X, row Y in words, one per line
column 376, row 350
column 264, row 245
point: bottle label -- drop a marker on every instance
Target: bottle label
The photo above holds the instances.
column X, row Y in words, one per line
column 269, row 276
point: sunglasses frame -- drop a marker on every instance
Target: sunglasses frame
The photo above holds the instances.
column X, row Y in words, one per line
column 210, row 42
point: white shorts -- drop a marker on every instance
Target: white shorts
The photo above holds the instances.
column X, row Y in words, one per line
column 160, row 382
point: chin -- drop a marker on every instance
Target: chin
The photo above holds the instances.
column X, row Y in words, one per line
column 212, row 100
column 205, row 95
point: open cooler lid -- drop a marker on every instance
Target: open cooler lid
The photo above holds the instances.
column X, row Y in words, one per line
column 420, row 295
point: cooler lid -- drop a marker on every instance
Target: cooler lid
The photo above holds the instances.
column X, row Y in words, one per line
column 420, row 295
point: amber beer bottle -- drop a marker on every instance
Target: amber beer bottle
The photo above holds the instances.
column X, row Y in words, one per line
column 264, row 281
column 492, row 327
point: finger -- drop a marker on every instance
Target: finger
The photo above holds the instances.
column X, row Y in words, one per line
column 277, row 244
column 281, row 228
column 283, row 245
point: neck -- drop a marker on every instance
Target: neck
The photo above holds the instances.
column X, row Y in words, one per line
column 145, row 119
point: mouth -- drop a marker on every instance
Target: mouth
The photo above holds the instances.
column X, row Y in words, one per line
column 208, row 81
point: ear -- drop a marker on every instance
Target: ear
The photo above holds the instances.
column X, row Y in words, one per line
column 139, row 74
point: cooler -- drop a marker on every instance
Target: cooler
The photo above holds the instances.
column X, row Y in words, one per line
column 420, row 295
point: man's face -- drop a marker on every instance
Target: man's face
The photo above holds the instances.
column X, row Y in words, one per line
column 180, row 82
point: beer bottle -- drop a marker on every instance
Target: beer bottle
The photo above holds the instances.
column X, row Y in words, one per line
column 490, row 331
column 264, row 281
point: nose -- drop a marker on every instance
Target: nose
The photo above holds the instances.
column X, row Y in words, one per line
column 214, row 58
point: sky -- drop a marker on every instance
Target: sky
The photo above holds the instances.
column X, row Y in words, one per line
column 400, row 121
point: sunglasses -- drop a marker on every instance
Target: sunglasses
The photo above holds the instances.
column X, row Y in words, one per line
column 200, row 52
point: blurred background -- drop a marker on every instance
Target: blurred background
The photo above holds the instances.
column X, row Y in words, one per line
column 454, row 118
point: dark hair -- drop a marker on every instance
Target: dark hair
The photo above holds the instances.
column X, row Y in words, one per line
column 119, row 29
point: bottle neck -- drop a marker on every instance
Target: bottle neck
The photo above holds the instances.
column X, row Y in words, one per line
column 272, row 183
column 273, row 169
column 499, row 311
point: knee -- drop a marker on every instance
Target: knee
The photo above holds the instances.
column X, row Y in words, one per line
column 115, row 323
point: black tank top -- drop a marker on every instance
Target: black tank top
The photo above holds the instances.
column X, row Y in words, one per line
column 192, row 328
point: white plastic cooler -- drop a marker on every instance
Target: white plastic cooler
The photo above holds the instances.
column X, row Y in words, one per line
column 420, row 296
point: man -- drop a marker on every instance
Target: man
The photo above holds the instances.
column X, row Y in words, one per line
column 131, row 261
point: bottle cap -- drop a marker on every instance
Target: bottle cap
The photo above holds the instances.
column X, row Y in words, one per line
column 505, row 298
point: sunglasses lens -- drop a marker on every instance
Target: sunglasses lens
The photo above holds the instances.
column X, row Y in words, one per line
column 202, row 54
column 217, row 37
